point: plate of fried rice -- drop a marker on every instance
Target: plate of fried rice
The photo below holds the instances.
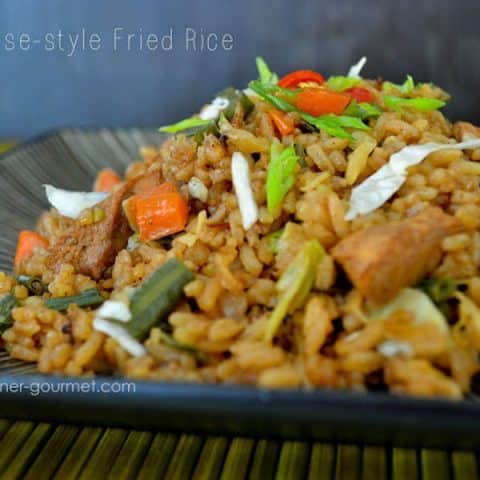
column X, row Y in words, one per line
column 304, row 237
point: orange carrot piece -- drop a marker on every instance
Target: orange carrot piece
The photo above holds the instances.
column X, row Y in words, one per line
column 130, row 205
column 282, row 122
column 27, row 241
column 106, row 180
column 159, row 215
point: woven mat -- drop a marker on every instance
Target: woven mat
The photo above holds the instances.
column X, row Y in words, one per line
column 38, row 450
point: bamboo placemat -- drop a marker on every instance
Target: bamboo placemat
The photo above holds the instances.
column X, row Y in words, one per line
column 38, row 450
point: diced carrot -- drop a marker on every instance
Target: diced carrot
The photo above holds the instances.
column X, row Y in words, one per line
column 106, row 180
column 27, row 241
column 130, row 205
column 319, row 101
column 283, row 123
column 159, row 215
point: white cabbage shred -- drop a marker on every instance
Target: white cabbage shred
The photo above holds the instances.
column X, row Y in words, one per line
column 117, row 311
column 373, row 192
column 212, row 110
column 391, row 348
column 243, row 190
column 71, row 204
column 114, row 310
column 354, row 70
column 125, row 340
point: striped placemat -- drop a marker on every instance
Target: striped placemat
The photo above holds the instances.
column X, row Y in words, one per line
column 38, row 450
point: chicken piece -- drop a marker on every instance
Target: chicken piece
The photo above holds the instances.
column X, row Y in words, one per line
column 92, row 248
column 383, row 259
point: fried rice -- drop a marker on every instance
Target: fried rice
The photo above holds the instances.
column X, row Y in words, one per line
column 331, row 337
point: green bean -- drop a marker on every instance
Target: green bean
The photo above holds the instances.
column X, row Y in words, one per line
column 87, row 298
column 33, row 284
column 156, row 297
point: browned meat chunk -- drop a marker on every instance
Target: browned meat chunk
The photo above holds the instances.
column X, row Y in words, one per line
column 92, row 248
column 383, row 259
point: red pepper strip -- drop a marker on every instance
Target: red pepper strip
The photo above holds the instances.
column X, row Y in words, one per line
column 293, row 79
column 318, row 101
column 360, row 94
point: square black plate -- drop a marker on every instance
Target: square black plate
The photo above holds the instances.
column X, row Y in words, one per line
column 70, row 159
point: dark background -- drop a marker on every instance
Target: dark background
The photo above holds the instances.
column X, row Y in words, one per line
column 434, row 40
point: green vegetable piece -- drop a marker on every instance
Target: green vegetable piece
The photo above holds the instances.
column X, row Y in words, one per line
column 422, row 104
column 294, row 285
column 168, row 340
column 362, row 110
column 335, row 124
column 188, row 123
column 7, row 303
column 439, row 289
column 332, row 124
column 87, row 298
column 340, row 83
column 235, row 97
column 280, row 178
column 157, row 296
column 33, row 284
column 405, row 88
column 265, row 74
column 268, row 93
column 273, row 239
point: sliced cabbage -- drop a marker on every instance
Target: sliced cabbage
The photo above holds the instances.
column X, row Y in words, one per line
column 107, row 320
column 415, row 301
column 243, row 190
column 71, row 204
column 117, row 332
column 212, row 110
column 114, row 310
column 354, row 70
column 357, row 160
column 294, row 285
column 373, row 192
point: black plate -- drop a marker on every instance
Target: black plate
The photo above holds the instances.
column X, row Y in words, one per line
column 70, row 159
